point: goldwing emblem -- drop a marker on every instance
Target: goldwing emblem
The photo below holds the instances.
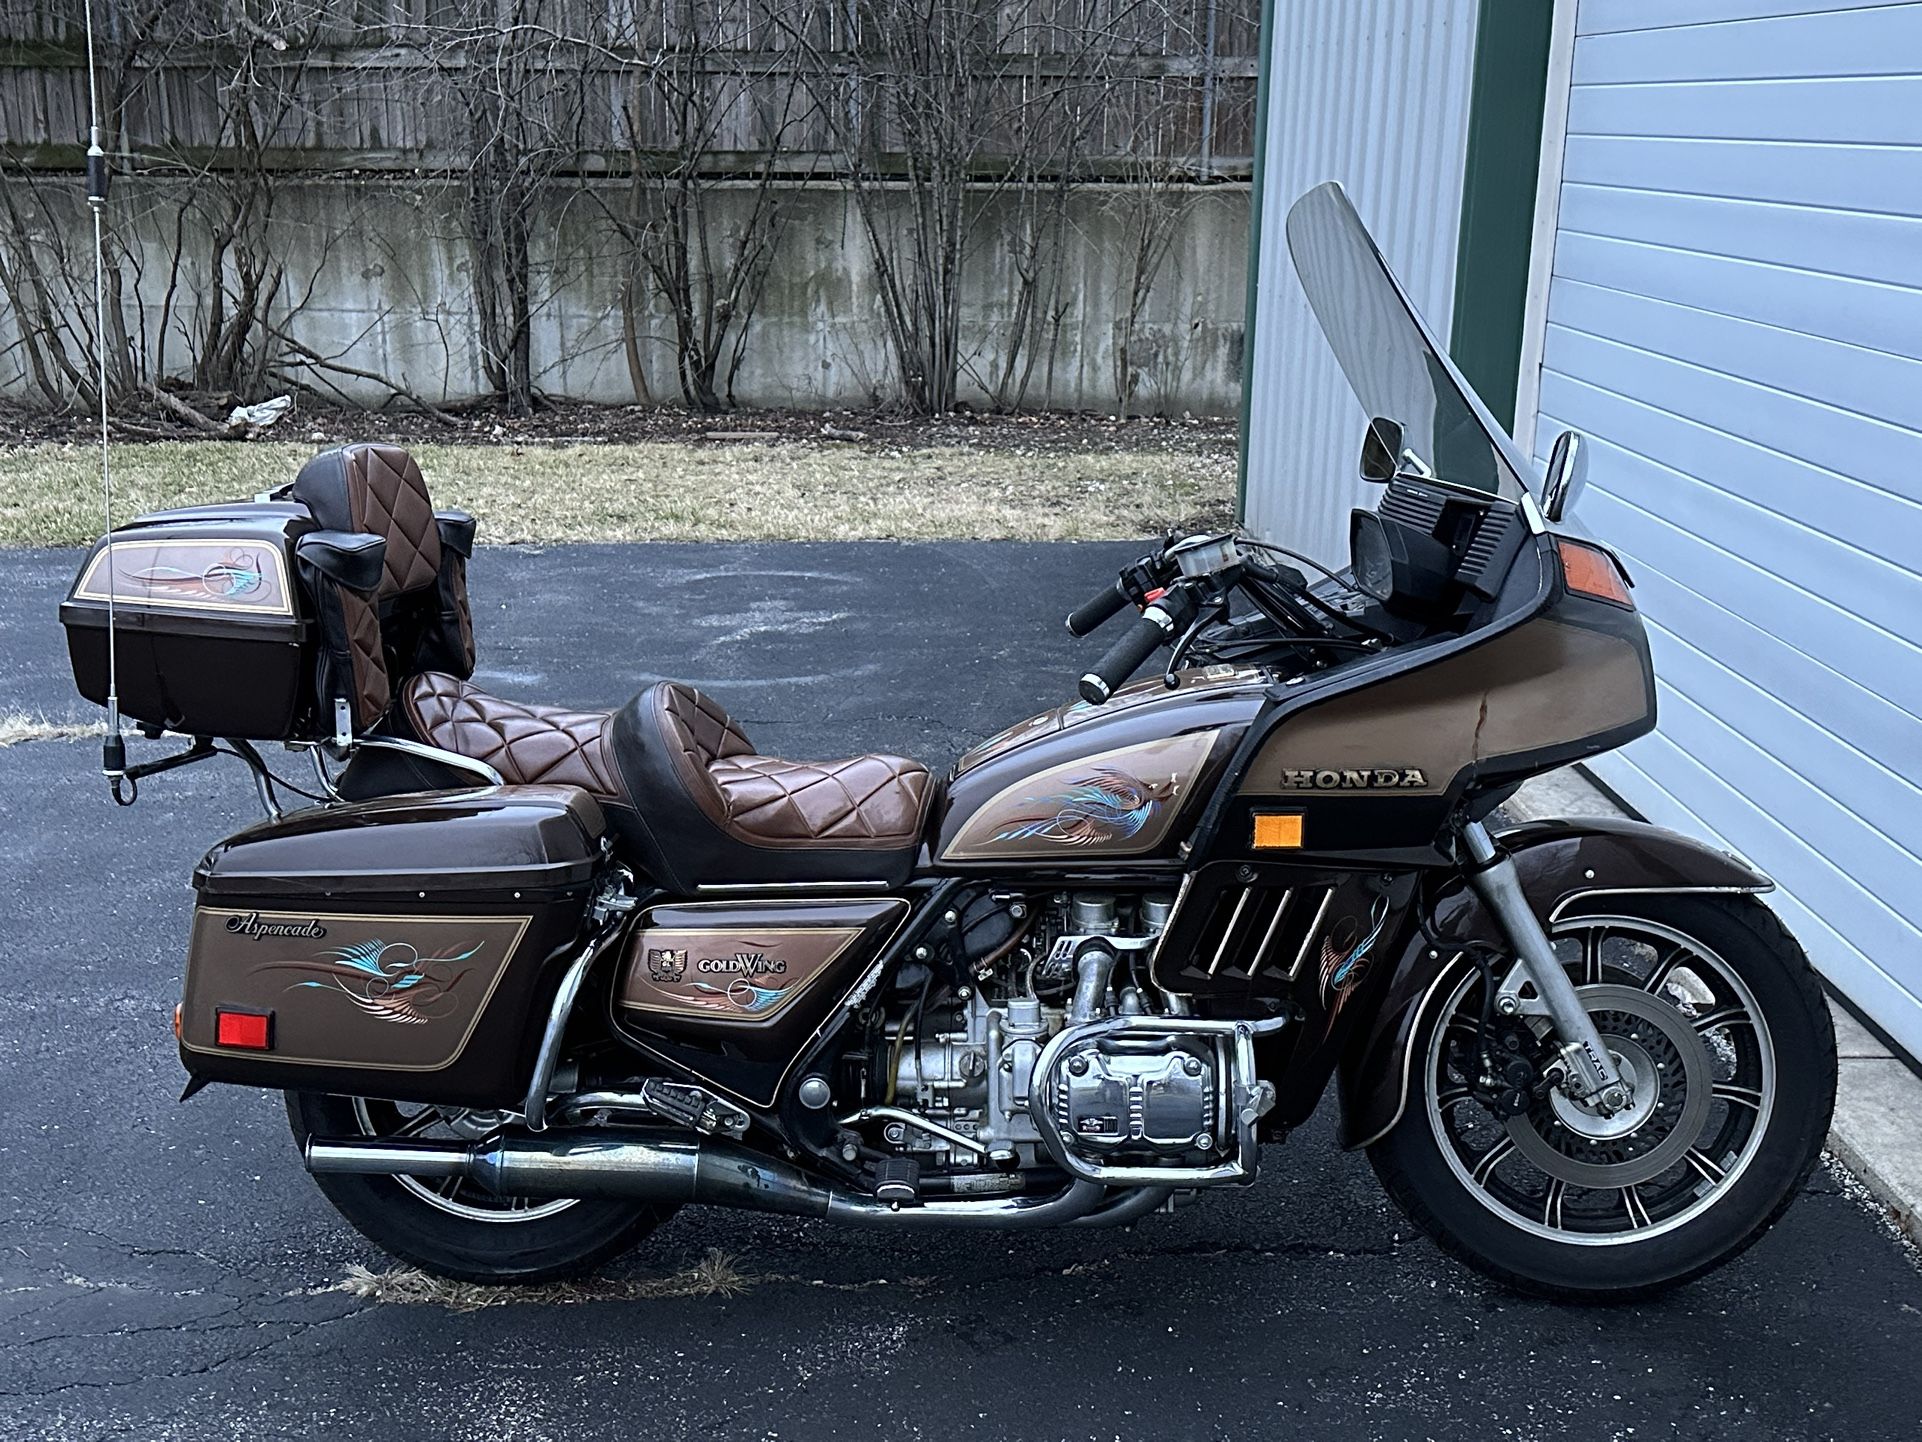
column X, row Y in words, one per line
column 665, row 964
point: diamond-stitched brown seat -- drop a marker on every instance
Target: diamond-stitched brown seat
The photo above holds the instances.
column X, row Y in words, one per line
column 685, row 788
column 527, row 744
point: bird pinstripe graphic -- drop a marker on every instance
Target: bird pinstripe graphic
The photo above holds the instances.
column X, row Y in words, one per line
column 1107, row 805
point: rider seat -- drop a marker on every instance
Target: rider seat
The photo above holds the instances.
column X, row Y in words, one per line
column 684, row 787
column 679, row 781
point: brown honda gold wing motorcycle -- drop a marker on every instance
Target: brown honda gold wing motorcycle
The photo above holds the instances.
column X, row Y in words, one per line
column 532, row 979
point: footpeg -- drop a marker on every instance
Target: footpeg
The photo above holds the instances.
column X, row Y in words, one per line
column 897, row 1180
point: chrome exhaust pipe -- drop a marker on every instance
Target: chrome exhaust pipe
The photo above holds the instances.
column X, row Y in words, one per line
column 714, row 1173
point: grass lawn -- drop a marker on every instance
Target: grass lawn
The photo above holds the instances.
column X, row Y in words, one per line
column 787, row 490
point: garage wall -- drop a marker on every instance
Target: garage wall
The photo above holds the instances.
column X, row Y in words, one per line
column 1735, row 317
column 1375, row 94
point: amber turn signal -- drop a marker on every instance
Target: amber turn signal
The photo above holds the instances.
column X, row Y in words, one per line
column 1277, row 829
column 1591, row 571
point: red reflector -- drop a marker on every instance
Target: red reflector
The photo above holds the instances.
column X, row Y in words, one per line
column 250, row 1029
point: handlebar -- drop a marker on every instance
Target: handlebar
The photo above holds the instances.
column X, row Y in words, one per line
column 1091, row 614
column 1159, row 623
column 1198, row 574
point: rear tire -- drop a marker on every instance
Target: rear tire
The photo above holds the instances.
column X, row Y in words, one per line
column 465, row 1236
column 1693, row 1173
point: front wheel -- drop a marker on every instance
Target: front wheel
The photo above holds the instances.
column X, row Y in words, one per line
column 455, row 1229
column 1716, row 1020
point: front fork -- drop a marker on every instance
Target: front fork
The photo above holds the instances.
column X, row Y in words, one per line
column 1590, row 1067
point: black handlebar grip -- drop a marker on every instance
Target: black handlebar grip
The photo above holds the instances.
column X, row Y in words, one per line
column 1091, row 615
column 1124, row 658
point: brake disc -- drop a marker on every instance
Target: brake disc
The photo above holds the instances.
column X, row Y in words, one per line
column 1666, row 1064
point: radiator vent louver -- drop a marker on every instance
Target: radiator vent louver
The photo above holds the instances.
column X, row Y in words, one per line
column 1260, row 932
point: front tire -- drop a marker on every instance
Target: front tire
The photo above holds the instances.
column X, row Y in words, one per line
column 1713, row 1008
column 459, row 1231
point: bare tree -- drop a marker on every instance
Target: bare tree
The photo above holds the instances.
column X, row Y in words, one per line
column 1147, row 210
column 515, row 72
column 964, row 132
column 937, row 108
column 901, row 87
column 263, row 49
column 201, row 195
column 707, row 125
column 45, row 269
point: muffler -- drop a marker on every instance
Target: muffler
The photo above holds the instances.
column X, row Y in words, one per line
column 716, row 1173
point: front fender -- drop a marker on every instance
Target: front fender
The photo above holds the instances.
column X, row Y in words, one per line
column 1565, row 866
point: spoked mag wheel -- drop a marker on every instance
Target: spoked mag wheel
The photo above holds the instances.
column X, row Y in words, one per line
column 454, row 1228
column 1717, row 1024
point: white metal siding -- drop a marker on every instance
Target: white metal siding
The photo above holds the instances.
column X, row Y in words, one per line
column 1735, row 317
column 1373, row 93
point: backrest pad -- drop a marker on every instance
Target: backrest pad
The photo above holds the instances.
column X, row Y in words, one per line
column 378, row 489
column 418, row 613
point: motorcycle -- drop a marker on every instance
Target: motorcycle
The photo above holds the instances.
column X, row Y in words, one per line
column 532, row 979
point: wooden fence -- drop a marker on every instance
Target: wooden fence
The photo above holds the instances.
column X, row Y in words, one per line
column 1165, row 85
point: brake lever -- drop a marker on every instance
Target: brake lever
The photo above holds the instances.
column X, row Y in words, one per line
column 1211, row 612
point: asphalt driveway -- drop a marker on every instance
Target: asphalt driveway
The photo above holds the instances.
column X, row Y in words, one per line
column 168, row 1271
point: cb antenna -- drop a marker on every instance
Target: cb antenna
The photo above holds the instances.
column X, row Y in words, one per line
column 113, row 751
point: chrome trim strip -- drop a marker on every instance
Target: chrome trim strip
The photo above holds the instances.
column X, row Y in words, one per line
column 751, row 888
column 1765, row 885
column 1268, row 939
column 1408, row 1052
column 1308, row 937
column 1228, row 932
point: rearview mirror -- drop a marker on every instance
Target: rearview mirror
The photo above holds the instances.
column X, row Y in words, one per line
column 1566, row 475
column 1381, row 451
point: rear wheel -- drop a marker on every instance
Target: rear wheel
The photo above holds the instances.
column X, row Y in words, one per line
column 453, row 1228
column 1715, row 1019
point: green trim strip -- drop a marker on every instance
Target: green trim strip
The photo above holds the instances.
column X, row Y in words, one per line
column 1263, row 81
column 1509, row 90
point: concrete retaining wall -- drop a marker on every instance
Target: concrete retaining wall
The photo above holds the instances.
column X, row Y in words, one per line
column 386, row 269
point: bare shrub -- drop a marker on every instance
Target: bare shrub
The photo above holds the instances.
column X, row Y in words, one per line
column 706, row 129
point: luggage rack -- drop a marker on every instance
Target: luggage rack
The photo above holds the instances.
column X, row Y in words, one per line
column 266, row 780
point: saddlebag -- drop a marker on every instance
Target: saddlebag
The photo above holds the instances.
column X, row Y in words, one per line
column 405, row 948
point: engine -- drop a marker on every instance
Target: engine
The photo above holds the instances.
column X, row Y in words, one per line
column 1059, row 1006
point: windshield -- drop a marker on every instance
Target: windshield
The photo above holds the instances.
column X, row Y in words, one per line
column 1396, row 367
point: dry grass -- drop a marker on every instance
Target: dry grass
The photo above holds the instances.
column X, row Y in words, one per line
column 18, row 726
column 672, row 490
column 715, row 1275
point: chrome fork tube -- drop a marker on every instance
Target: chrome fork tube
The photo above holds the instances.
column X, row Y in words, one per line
column 1496, row 882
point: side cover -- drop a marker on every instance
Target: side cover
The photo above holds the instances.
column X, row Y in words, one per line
column 732, row 990
column 1567, row 868
column 403, row 948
